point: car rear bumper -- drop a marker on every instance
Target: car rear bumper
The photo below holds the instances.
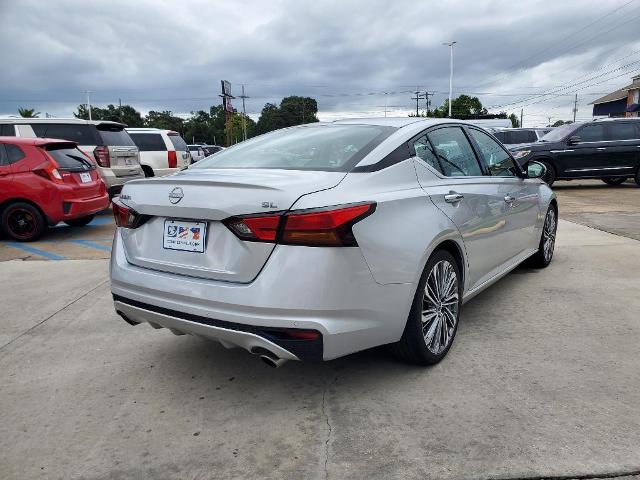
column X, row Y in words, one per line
column 117, row 181
column 81, row 207
column 328, row 290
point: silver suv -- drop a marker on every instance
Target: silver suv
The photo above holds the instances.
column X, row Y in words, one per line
column 107, row 143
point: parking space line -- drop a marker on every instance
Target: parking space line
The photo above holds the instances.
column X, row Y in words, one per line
column 36, row 251
column 90, row 244
column 101, row 221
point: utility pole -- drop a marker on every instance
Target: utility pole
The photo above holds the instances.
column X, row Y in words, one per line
column 450, row 45
column 521, row 117
column 417, row 98
column 88, row 102
column 549, row 121
column 575, row 108
column 428, row 94
column 385, row 104
column 244, row 115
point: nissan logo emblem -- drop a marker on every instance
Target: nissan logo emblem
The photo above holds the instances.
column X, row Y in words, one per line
column 176, row 195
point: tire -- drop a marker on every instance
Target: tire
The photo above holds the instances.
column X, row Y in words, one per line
column 542, row 258
column 148, row 171
column 415, row 346
column 23, row 222
column 550, row 176
column 81, row 221
column 614, row 180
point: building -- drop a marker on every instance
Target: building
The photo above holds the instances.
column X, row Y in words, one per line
column 621, row 103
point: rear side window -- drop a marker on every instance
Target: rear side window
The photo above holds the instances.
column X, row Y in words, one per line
column 7, row 131
column 523, row 136
column 592, row 133
column 622, row 131
column 502, row 136
column 454, row 152
column 69, row 158
column 14, row 153
column 114, row 136
column 149, row 142
column 178, row 143
column 82, row 134
column 425, row 152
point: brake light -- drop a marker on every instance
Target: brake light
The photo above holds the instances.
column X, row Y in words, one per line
column 172, row 158
column 101, row 153
column 127, row 217
column 48, row 169
column 327, row 227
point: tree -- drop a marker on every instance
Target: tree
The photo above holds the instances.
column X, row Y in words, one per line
column 561, row 122
column 125, row 114
column 164, row 120
column 234, row 128
column 28, row 112
column 515, row 122
column 292, row 110
column 462, row 106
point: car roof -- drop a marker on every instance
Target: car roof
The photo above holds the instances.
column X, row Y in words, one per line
column 148, row 130
column 59, row 120
column 37, row 141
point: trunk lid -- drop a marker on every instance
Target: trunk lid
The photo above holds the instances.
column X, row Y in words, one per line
column 210, row 196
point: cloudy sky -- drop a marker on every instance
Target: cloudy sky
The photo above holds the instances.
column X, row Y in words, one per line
column 171, row 55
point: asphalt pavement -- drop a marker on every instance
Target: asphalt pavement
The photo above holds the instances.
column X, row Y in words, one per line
column 542, row 381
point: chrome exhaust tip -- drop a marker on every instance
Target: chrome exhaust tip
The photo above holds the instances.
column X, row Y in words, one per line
column 273, row 362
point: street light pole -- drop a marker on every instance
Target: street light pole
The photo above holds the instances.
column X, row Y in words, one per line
column 450, row 45
column 88, row 102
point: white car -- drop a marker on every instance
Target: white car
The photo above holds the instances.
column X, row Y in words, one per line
column 197, row 152
column 162, row 152
column 316, row 241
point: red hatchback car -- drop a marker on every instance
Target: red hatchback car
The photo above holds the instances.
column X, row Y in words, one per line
column 43, row 182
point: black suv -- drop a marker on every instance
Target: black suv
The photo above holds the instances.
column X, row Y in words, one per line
column 608, row 149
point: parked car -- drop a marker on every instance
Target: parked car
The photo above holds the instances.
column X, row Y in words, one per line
column 517, row 136
column 43, row 182
column 162, row 152
column 320, row 240
column 197, row 152
column 608, row 149
column 211, row 149
column 106, row 143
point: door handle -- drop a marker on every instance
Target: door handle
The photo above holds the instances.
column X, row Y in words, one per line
column 453, row 197
column 509, row 199
column 601, row 148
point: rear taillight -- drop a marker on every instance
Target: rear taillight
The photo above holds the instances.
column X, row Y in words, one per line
column 127, row 217
column 48, row 169
column 326, row 227
column 173, row 159
column 102, row 156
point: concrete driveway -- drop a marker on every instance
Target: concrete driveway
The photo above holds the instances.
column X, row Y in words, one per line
column 542, row 381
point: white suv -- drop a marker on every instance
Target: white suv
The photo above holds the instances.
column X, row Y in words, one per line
column 162, row 152
column 107, row 143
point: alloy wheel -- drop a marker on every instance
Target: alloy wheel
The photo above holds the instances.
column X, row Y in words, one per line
column 22, row 223
column 440, row 304
column 549, row 234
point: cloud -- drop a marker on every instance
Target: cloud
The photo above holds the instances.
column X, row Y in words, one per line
column 172, row 55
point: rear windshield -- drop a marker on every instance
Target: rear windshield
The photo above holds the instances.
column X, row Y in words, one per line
column 178, row 143
column 319, row 147
column 523, row 136
column 193, row 148
column 69, row 158
column 115, row 136
column 149, row 142
column 82, row 134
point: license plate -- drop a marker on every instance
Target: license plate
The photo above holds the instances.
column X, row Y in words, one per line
column 184, row 236
column 85, row 177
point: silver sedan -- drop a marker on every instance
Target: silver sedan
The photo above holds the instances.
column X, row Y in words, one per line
column 316, row 241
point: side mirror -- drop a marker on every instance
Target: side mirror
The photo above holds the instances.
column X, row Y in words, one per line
column 573, row 139
column 536, row 169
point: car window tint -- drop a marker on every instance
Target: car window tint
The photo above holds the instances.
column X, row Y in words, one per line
column 79, row 133
column 14, row 153
column 149, row 142
column 592, row 133
column 114, row 136
column 178, row 143
column 425, row 152
column 622, row 131
column 498, row 161
column 454, row 152
column 3, row 157
column 7, row 130
column 523, row 136
column 69, row 158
